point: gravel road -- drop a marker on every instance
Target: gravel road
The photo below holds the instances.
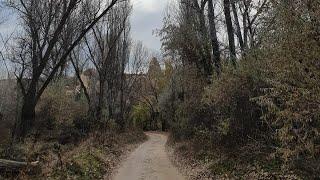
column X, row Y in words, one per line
column 149, row 162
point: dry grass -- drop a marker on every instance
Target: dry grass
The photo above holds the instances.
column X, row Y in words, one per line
column 197, row 163
column 94, row 157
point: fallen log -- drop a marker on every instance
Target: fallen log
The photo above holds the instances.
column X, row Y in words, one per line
column 16, row 165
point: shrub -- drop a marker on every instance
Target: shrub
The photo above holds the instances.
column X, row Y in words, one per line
column 140, row 115
column 290, row 66
column 58, row 110
column 56, row 102
column 228, row 110
column 83, row 165
column 69, row 135
column 82, row 123
column 181, row 99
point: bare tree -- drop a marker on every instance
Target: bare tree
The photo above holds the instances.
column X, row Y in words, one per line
column 237, row 24
column 132, row 77
column 230, row 31
column 214, row 38
column 199, row 7
column 185, row 33
column 251, row 12
column 79, row 62
column 40, row 53
column 107, row 48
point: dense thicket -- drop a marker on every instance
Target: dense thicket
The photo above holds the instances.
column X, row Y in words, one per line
column 269, row 101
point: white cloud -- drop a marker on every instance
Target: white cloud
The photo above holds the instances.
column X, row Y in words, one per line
column 148, row 6
column 147, row 16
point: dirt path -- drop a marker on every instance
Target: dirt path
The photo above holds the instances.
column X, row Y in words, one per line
column 149, row 162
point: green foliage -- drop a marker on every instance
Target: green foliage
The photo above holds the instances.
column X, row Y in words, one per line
column 82, row 166
column 89, row 166
column 140, row 115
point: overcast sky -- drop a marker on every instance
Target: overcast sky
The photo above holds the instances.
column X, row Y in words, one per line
column 146, row 17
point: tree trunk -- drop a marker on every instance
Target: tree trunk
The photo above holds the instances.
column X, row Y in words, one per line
column 122, row 106
column 205, row 64
column 26, row 120
column 121, row 118
column 249, row 27
column 110, row 102
column 15, row 165
column 214, row 38
column 206, row 57
column 232, row 48
column 78, row 74
column 101, row 101
column 164, row 125
column 245, row 26
column 236, row 20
